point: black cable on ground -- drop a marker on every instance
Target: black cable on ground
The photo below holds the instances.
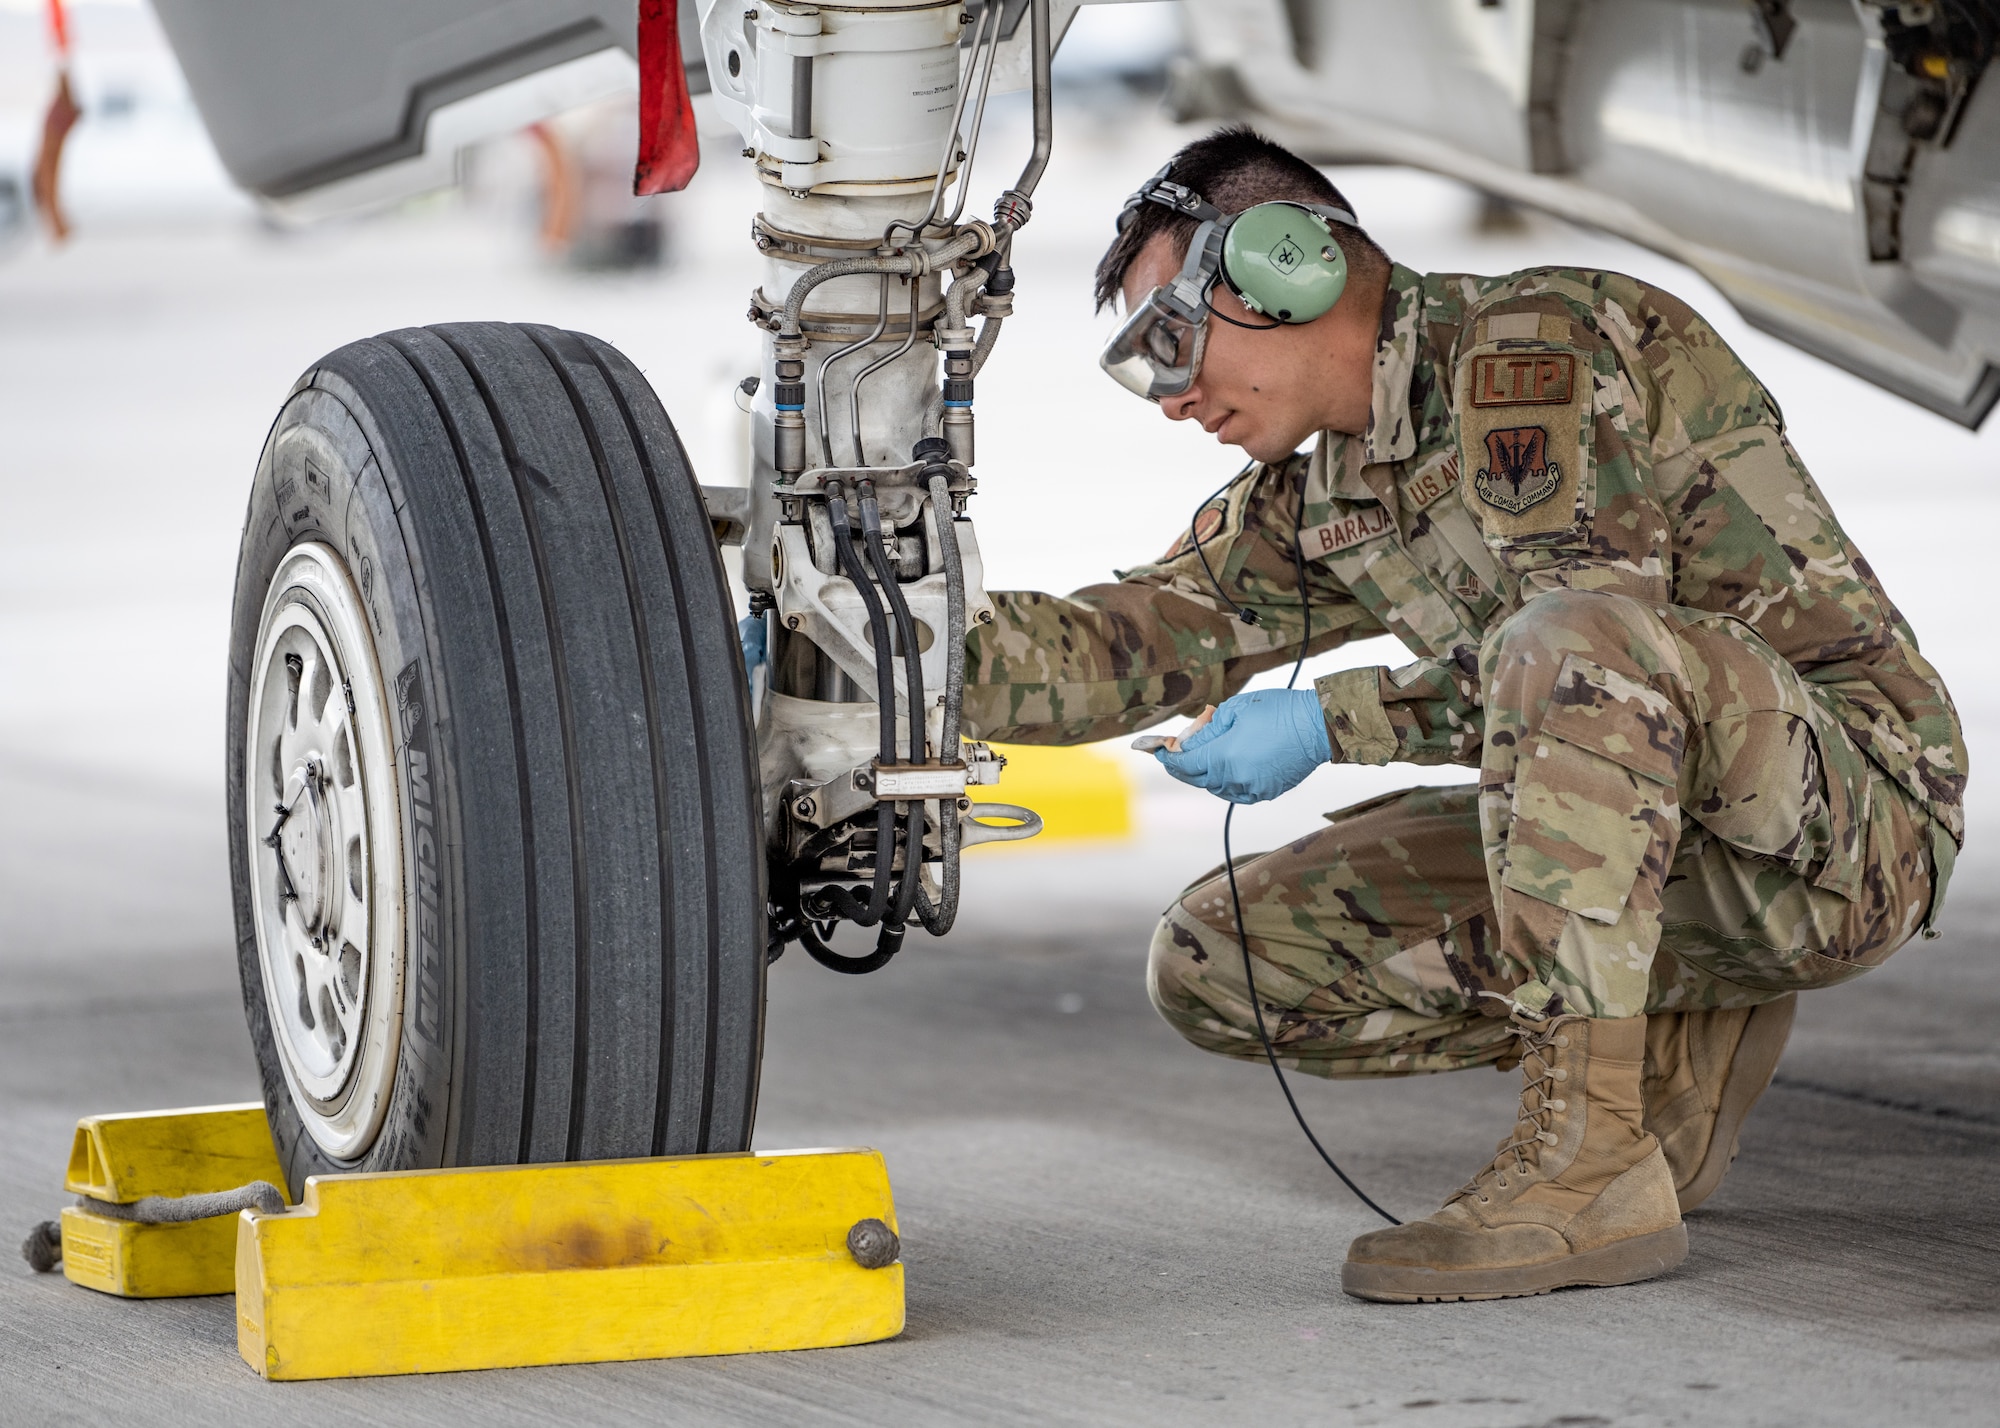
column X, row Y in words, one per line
column 1229, row 856
column 1263, row 1035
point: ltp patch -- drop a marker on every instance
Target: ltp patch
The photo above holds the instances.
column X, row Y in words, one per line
column 1529, row 379
column 1522, row 421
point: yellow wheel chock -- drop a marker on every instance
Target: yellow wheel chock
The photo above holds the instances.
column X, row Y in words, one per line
column 431, row 1270
column 420, row 1271
column 122, row 1159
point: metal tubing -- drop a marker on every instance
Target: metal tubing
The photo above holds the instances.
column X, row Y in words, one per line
column 854, row 392
column 916, row 265
column 881, row 326
column 978, row 120
column 938, row 921
column 979, row 36
column 802, row 96
column 1038, row 157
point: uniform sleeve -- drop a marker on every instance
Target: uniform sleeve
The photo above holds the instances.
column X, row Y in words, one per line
column 1161, row 640
column 1426, row 712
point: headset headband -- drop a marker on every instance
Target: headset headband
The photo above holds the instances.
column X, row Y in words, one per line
column 1186, row 202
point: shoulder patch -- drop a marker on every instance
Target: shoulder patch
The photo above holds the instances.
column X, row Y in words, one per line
column 1505, row 379
column 1518, row 471
column 1206, row 525
column 1361, row 524
column 1523, row 429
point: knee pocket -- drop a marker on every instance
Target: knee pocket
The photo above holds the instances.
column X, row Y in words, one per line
column 1770, row 783
column 1594, row 792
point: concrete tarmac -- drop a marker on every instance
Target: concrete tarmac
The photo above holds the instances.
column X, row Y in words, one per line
column 1102, row 1226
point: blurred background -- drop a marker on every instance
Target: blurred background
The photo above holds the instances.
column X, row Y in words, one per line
column 1081, row 1193
column 142, row 359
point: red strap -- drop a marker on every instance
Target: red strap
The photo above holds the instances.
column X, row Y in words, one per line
column 668, row 149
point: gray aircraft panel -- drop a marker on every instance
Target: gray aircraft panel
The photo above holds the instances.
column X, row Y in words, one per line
column 299, row 93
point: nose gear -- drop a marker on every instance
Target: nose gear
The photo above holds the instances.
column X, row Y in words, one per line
column 1580, row 1194
column 1279, row 258
column 1704, row 1071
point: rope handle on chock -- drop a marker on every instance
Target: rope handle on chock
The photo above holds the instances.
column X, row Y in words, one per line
column 43, row 1247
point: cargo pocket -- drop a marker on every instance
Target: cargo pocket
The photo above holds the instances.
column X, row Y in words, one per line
column 1597, row 787
column 1770, row 783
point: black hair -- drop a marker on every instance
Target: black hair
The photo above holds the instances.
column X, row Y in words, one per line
column 1234, row 168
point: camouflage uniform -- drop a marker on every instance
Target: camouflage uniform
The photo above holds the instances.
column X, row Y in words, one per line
column 1700, row 725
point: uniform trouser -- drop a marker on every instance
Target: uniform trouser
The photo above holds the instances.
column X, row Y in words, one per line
column 1666, row 818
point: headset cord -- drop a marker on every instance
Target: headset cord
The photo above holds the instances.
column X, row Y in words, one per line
column 1229, row 856
column 1248, row 617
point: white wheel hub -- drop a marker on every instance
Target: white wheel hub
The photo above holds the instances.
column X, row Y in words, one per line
column 325, row 843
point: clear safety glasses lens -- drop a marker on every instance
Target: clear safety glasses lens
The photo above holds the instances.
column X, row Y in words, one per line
column 1156, row 352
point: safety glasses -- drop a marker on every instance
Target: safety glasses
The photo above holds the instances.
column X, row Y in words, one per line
column 1156, row 352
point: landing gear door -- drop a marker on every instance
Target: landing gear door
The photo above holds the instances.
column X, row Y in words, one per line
column 323, row 108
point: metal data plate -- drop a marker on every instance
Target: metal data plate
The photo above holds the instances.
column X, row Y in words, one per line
column 919, row 781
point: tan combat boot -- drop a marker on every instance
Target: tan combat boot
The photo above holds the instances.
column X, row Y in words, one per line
column 1704, row 1071
column 1580, row 1195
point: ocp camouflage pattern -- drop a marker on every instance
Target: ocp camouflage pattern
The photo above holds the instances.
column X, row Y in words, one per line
column 1579, row 510
column 1692, row 497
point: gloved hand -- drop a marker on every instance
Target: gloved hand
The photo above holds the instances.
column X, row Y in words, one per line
column 750, row 635
column 1257, row 746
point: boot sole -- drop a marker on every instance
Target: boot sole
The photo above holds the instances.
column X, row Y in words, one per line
column 1758, row 1052
column 1625, row 1262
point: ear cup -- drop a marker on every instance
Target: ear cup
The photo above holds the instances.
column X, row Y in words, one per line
column 1282, row 261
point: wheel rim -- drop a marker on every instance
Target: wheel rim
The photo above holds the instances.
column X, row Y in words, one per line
column 324, row 844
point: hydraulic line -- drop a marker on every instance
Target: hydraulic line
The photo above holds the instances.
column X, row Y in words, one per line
column 854, row 392
column 1013, row 208
column 871, row 912
column 881, row 326
column 938, row 921
column 989, row 333
column 915, row 264
column 906, row 625
column 982, row 34
column 913, row 677
column 978, row 119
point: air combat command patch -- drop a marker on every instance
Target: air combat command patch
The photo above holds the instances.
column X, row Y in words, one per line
column 1518, row 472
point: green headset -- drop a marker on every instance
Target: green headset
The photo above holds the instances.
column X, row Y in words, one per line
column 1280, row 258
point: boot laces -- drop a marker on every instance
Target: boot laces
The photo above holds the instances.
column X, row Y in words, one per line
column 1534, row 1122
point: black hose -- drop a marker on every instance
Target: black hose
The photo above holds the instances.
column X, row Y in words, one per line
column 888, row 942
column 906, row 625
column 793, row 923
column 913, row 677
column 871, row 912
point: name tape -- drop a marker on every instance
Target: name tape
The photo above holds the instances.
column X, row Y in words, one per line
column 1424, row 488
column 1363, row 523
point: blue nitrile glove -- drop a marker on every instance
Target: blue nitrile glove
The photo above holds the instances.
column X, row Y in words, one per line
column 1255, row 747
column 750, row 635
